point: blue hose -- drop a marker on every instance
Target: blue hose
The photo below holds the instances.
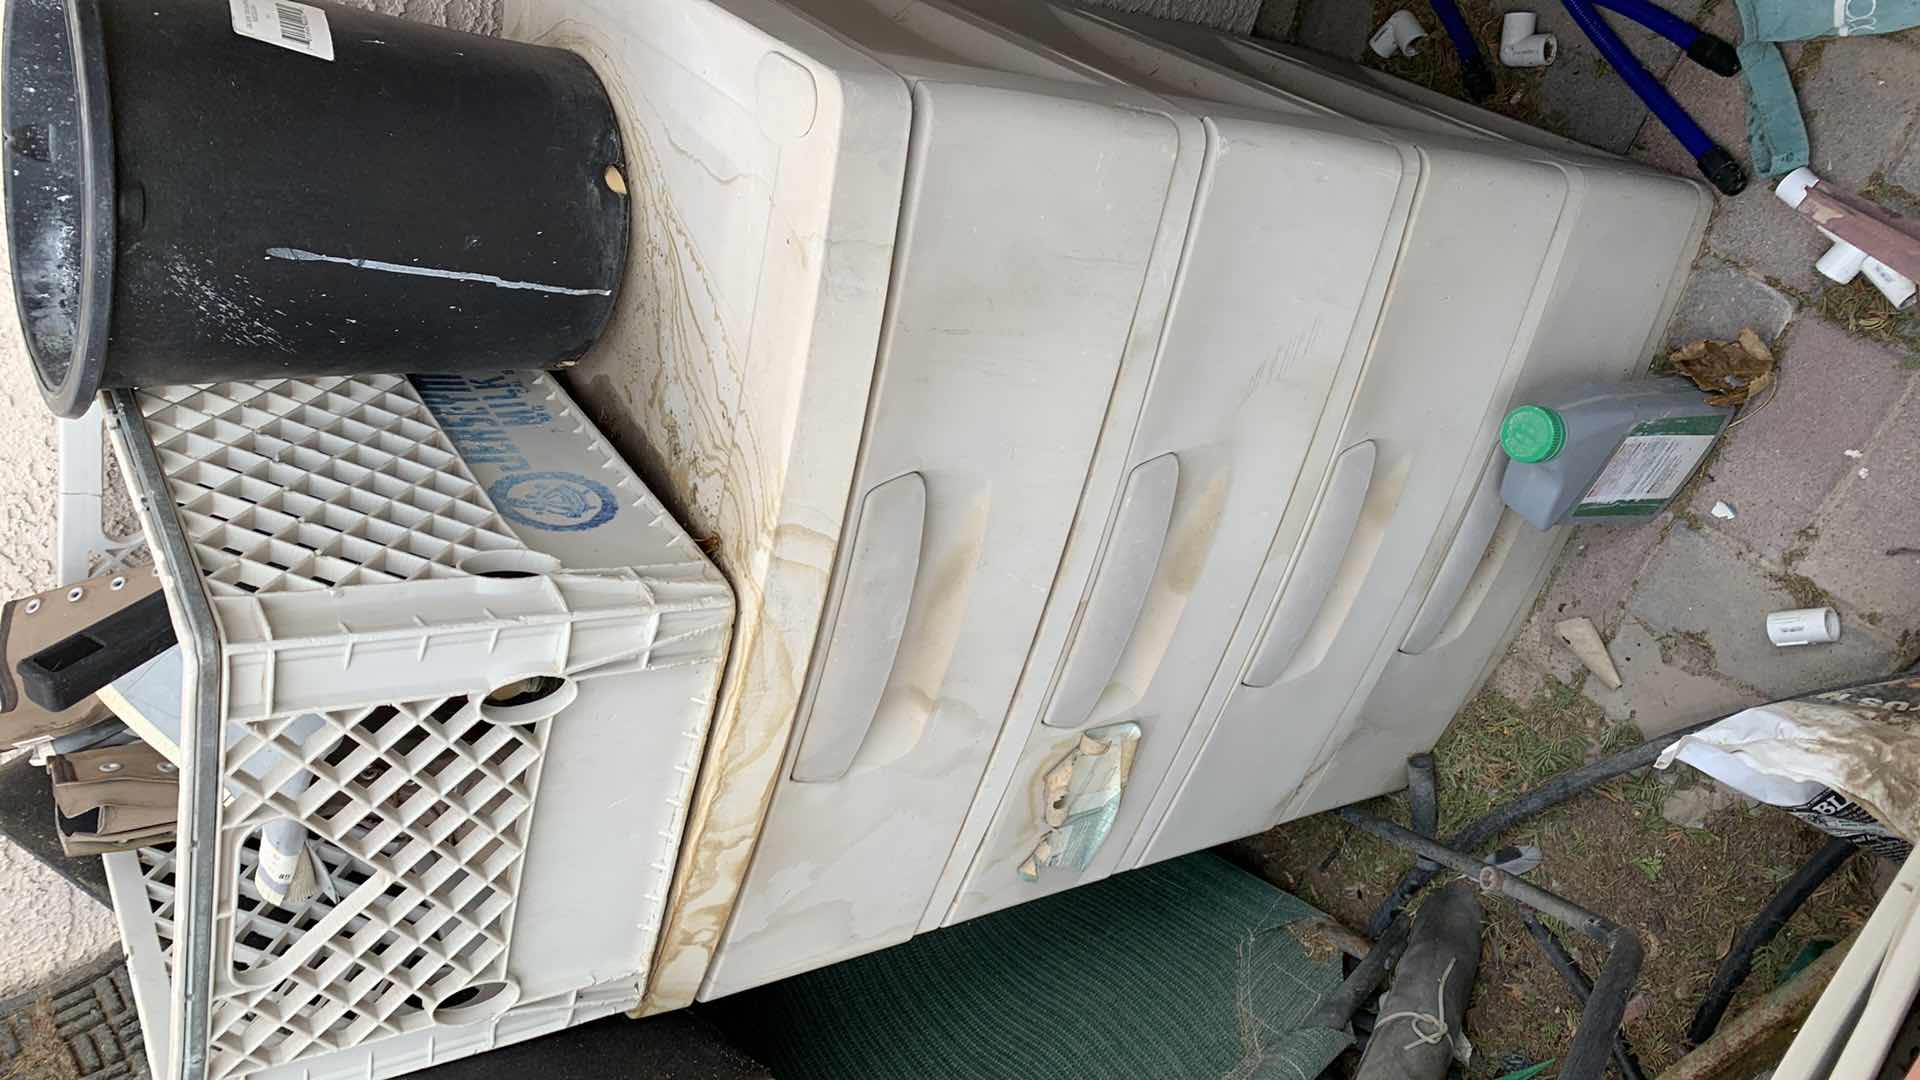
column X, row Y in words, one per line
column 1657, row 19
column 1474, row 75
column 1661, row 103
column 1718, row 165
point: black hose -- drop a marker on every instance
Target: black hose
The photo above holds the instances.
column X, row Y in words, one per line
column 1606, row 1008
column 1607, row 1003
column 1624, row 1059
column 1336, row 1010
column 1483, row 829
column 1739, row 962
column 1423, row 800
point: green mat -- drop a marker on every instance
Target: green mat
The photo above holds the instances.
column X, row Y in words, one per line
column 1184, row 969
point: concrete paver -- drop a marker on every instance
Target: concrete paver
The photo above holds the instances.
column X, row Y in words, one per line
column 1752, row 230
column 1663, row 688
column 1869, row 525
column 1597, row 572
column 1722, row 300
column 1277, row 19
column 1780, row 463
column 1860, row 102
column 1234, row 15
column 1580, row 88
column 1707, row 587
column 1904, row 173
column 1339, row 27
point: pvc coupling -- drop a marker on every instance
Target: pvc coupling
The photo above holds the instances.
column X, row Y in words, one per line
column 1521, row 46
column 1401, row 33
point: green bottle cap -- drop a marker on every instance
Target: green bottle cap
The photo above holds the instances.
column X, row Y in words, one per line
column 1533, row 433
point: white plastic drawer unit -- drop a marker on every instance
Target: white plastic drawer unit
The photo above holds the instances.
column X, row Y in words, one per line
column 1032, row 223
column 1097, row 419
column 443, row 627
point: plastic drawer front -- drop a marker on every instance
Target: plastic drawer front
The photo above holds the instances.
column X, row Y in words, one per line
column 1014, row 299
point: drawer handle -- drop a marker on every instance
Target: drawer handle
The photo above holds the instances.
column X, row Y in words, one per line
column 1463, row 558
column 1120, row 589
column 867, row 629
column 1328, row 538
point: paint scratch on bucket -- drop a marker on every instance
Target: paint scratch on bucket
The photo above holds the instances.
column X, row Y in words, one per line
column 298, row 255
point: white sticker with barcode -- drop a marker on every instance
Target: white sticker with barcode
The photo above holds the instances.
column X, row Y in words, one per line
column 1649, row 467
column 300, row 27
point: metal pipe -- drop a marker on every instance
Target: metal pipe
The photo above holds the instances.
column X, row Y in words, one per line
column 1624, row 1059
column 1600, row 1019
column 1483, row 829
column 1490, row 878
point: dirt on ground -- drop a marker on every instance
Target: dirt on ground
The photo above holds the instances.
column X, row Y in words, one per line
column 1689, row 891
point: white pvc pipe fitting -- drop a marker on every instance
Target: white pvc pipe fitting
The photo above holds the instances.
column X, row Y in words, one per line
column 1401, row 33
column 1843, row 262
column 1792, row 188
column 1803, row 626
column 1897, row 287
column 1520, row 47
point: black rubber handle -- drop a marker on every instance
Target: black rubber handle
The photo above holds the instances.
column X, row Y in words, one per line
column 1723, row 170
column 1715, row 54
column 61, row 675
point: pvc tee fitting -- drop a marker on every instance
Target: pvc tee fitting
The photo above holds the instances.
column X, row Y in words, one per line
column 1843, row 261
column 1401, row 33
column 1520, row 46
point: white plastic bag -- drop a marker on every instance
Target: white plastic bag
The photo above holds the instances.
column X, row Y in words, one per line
column 1846, row 761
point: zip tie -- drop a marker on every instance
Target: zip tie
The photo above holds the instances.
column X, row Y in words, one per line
column 1437, row 1020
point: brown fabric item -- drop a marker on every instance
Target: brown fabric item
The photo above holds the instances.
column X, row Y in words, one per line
column 32, row 623
column 80, row 846
column 115, row 799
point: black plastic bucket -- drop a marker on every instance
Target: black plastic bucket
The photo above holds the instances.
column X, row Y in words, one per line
column 189, row 204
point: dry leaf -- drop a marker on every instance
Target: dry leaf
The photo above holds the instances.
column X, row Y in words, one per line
column 1731, row 372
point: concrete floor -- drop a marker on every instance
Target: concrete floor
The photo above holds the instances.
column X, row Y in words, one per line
column 1821, row 480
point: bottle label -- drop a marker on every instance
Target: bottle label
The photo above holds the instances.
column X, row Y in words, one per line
column 300, row 27
column 1653, row 461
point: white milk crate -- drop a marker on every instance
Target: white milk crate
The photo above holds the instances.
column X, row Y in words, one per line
column 441, row 625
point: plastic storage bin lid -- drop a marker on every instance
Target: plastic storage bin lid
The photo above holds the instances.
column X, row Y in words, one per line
column 59, row 194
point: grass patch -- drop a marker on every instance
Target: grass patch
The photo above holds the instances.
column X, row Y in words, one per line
column 1498, row 748
column 1811, row 53
column 1882, row 190
column 1437, row 66
column 1688, row 891
column 1688, row 650
column 1860, row 309
column 1803, row 540
column 1805, row 591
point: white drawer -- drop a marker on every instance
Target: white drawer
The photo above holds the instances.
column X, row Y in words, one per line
column 1027, row 233
column 1263, row 344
